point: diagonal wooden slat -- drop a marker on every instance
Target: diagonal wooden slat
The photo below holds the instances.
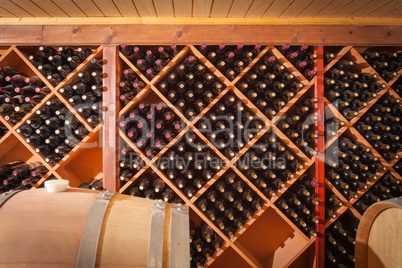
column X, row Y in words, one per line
column 239, row 8
column 107, row 7
column 220, row 9
column 182, row 8
column 258, row 8
column 201, row 8
column 69, row 7
column 277, row 8
column 295, row 8
column 51, row 8
column 164, row 8
column 126, row 8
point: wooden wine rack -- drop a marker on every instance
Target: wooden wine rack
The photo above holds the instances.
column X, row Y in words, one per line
column 270, row 239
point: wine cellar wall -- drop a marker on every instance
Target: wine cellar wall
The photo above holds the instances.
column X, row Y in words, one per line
column 84, row 113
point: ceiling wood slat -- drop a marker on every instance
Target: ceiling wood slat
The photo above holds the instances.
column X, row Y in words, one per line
column 164, row 8
column 70, row 8
column 239, row 8
column 183, row 8
column 258, row 8
column 314, row 8
column 295, row 8
column 6, row 14
column 220, row 8
column 351, row 8
column 51, row 8
column 31, row 8
column 145, row 8
column 201, row 8
column 332, row 8
column 203, row 11
column 126, row 8
column 394, row 5
column 277, row 8
column 107, row 7
column 394, row 14
column 89, row 8
column 13, row 8
column 373, row 6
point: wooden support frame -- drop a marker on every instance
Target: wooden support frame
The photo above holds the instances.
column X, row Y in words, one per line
column 112, row 35
column 319, row 160
column 110, row 117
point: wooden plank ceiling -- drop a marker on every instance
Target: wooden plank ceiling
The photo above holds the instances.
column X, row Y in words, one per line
column 248, row 9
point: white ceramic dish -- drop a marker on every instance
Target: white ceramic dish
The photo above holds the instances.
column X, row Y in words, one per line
column 54, row 186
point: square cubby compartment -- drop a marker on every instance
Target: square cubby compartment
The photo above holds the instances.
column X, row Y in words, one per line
column 150, row 124
column 271, row 83
column 57, row 62
column 381, row 127
column 53, row 131
column 230, row 203
column 351, row 85
column 230, row 60
column 21, row 90
column 230, row 125
column 190, row 85
column 270, row 165
column 190, row 164
column 149, row 60
column 149, row 185
column 352, row 166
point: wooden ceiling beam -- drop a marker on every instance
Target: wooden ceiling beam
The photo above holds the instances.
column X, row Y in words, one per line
column 139, row 34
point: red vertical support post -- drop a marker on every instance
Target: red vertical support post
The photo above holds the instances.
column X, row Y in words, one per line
column 110, row 115
column 319, row 162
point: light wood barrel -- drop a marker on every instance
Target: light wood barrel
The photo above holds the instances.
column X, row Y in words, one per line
column 379, row 237
column 41, row 229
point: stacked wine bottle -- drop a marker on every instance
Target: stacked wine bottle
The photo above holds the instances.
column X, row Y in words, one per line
column 130, row 86
column 387, row 64
column 268, row 164
column 18, row 175
column 19, row 94
column 92, row 184
column 397, row 86
column 269, row 85
column 3, row 130
column 86, row 94
column 298, row 204
column 332, row 126
column 204, row 242
column 149, row 61
column 190, row 164
column 381, row 127
column 349, row 89
column 398, row 167
column 229, row 125
column 230, row 60
column 130, row 163
column 150, row 186
column 340, row 242
column 230, row 203
column 350, row 166
column 53, row 131
column 57, row 64
column 386, row 188
column 151, row 127
column 191, row 88
column 299, row 126
column 302, row 57
column 332, row 205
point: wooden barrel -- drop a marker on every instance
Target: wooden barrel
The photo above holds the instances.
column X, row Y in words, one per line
column 84, row 228
column 379, row 237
